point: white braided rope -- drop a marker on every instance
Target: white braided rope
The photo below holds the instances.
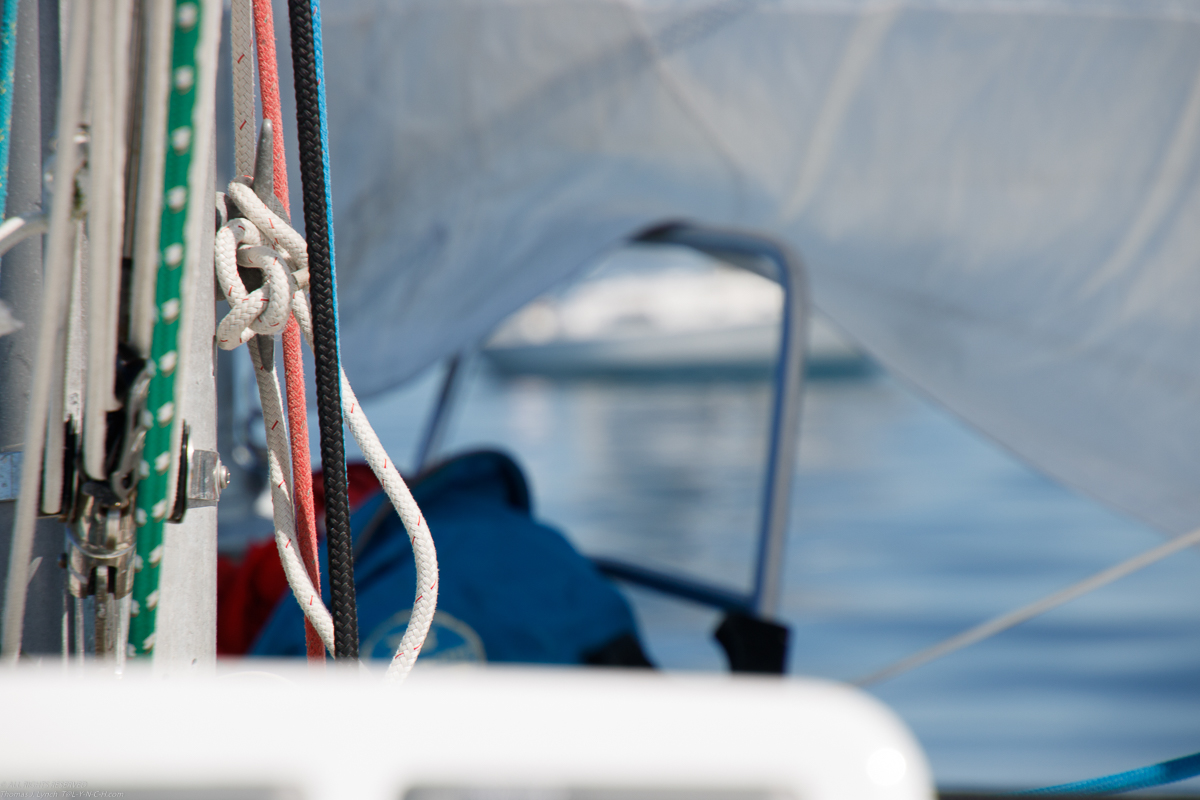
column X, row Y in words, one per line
column 265, row 310
column 424, row 553
column 275, row 230
column 279, row 473
column 272, row 245
column 241, row 39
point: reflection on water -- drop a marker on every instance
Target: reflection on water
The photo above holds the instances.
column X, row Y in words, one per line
column 906, row 527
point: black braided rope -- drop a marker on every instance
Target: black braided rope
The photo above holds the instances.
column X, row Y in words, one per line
column 325, row 345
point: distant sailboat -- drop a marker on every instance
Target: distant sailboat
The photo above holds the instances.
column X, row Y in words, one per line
column 649, row 312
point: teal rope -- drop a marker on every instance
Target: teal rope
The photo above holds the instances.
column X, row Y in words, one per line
column 1177, row 769
column 8, row 65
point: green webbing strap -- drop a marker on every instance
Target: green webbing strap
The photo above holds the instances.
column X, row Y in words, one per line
column 154, row 490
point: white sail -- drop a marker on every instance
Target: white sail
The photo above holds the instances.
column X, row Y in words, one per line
column 998, row 199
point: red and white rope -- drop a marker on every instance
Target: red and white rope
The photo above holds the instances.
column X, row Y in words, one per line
column 293, row 360
column 424, row 553
column 274, row 231
column 263, row 310
column 307, row 595
column 268, row 90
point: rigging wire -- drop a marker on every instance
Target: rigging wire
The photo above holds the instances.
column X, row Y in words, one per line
column 308, row 72
column 1027, row 612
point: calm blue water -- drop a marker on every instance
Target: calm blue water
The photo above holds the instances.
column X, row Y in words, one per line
column 907, row 527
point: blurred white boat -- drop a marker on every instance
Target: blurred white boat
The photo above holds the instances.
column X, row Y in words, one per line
column 696, row 315
column 456, row 734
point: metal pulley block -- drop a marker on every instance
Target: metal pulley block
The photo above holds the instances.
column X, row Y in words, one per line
column 123, row 476
column 101, row 535
column 100, row 562
column 124, row 456
column 100, row 553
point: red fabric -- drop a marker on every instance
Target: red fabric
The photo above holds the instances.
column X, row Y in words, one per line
column 248, row 590
column 361, row 484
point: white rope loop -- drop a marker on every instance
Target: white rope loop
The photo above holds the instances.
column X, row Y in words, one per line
column 424, row 553
column 279, row 473
column 266, row 241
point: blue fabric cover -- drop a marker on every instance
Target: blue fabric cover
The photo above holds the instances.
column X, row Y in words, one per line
column 510, row 587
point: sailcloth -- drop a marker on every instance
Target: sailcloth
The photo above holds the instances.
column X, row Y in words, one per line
column 998, row 198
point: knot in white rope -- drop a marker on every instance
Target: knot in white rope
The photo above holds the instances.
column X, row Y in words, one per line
column 262, row 240
column 275, row 231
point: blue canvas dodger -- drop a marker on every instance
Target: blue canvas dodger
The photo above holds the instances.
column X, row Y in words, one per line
column 511, row 588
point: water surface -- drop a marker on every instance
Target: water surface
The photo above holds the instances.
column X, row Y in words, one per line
column 907, row 527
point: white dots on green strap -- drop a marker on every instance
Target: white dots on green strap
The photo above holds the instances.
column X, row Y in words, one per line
column 185, row 78
column 161, row 462
column 170, row 310
column 160, row 509
column 186, row 16
column 166, row 413
column 173, row 255
column 177, row 198
column 181, row 139
column 168, row 361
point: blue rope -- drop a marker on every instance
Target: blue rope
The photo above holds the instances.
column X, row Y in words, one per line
column 8, row 63
column 1177, row 769
column 319, row 57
